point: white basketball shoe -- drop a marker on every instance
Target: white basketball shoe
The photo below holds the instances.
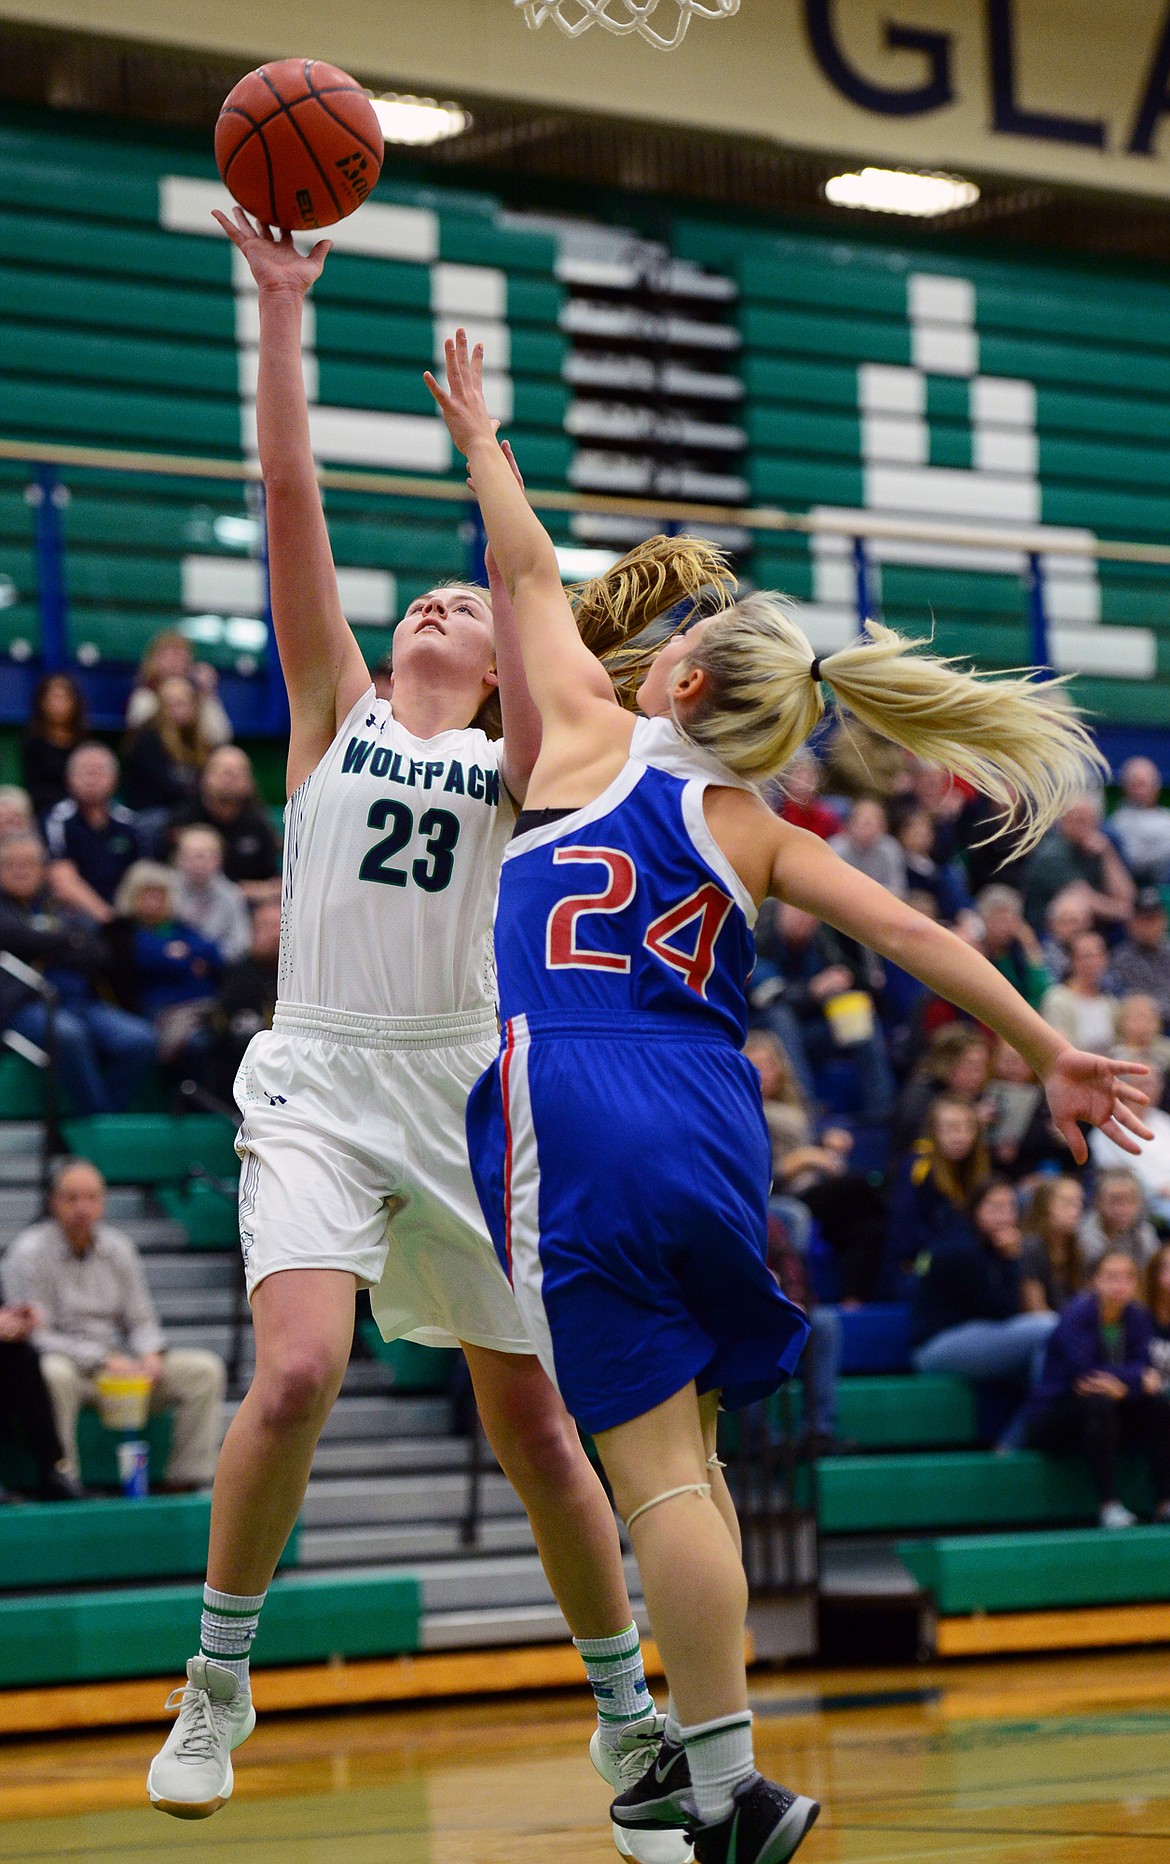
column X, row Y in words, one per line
column 191, row 1775
column 622, row 1766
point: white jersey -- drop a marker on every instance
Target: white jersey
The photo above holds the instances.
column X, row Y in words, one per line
column 392, row 857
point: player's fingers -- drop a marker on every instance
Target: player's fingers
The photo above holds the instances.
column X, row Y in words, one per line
column 229, row 226
column 1129, row 1067
column 1074, row 1139
column 1113, row 1129
column 1125, row 1116
column 321, row 251
column 477, row 365
column 1133, row 1096
column 440, row 394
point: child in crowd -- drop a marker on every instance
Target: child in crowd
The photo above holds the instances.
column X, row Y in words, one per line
column 1051, row 1269
column 1098, row 1392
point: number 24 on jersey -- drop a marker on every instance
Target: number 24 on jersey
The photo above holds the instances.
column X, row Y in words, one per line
column 705, row 909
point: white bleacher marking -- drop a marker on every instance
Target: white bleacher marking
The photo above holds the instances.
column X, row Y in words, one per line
column 380, row 231
column 469, row 291
column 235, row 586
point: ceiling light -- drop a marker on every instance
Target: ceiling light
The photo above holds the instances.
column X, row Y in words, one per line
column 900, row 191
column 419, row 120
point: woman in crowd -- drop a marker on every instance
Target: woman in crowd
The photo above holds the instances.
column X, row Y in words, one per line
column 168, row 656
column 207, row 899
column 162, row 760
column 56, row 726
column 1157, row 1285
column 1051, row 1270
column 938, row 881
column 1010, row 944
column 931, row 1197
column 1118, row 1220
column 1080, row 1008
column 1098, row 1392
column 1139, row 1034
column 1020, row 1132
column 955, row 1064
column 966, row 1312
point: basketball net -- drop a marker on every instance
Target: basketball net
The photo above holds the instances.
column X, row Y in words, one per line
column 625, row 16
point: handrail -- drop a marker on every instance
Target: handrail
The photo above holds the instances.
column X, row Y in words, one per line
column 1031, row 539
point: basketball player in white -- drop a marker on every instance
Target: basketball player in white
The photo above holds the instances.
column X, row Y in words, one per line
column 355, row 1169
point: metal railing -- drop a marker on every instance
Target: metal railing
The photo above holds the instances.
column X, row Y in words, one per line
column 862, row 532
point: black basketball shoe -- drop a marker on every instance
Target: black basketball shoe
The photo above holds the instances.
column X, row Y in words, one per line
column 766, row 1825
column 659, row 1801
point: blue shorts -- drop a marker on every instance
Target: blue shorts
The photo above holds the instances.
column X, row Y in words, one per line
column 623, row 1171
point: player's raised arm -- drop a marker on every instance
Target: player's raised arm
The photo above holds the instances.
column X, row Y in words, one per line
column 321, row 660
column 1079, row 1086
column 563, row 676
column 518, row 709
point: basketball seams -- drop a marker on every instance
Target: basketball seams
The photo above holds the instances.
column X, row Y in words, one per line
column 286, row 110
column 347, row 90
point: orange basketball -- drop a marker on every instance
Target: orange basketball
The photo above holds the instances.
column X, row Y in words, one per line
column 298, row 144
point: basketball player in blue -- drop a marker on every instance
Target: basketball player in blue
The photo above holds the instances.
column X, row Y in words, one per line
column 618, row 1143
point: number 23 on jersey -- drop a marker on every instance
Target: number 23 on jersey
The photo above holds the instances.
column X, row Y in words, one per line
column 669, row 938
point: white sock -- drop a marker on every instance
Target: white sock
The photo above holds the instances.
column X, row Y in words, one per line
column 618, row 1680
column 673, row 1730
column 719, row 1755
column 227, row 1629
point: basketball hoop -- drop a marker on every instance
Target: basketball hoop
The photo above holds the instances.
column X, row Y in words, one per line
column 625, row 16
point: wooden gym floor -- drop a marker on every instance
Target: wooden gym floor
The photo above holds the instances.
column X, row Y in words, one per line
column 1015, row 1762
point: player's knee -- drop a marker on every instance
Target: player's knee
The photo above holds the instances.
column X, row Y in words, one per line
column 299, row 1387
column 548, row 1448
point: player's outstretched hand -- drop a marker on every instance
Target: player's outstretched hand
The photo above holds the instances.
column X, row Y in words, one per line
column 273, row 259
column 1092, row 1088
column 461, row 403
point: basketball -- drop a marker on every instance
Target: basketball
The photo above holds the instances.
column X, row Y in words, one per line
column 298, row 144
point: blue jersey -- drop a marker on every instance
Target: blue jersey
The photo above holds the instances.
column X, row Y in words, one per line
column 618, row 1145
column 629, row 906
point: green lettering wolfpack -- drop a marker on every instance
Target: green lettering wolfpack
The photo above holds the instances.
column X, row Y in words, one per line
column 483, row 785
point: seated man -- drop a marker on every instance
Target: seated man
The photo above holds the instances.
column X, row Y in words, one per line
column 26, row 1411
column 205, row 898
column 86, row 1280
column 246, row 1000
column 1098, row 1392
column 92, row 839
column 103, row 1052
column 228, row 800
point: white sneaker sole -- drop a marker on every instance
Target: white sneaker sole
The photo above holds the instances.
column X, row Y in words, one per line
column 200, row 1808
column 653, row 1847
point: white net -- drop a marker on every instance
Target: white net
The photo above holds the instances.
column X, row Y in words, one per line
column 662, row 22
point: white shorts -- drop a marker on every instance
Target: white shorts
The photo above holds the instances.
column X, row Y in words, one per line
column 354, row 1154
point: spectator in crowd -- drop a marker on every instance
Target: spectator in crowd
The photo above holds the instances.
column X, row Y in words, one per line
column 1140, row 824
column 820, row 1363
column 91, row 839
column 103, row 1053
column 966, row 1316
column 1069, row 914
column 163, row 968
column 1098, row 1392
column 247, row 999
column 170, row 656
column 790, row 1125
column 801, row 967
column 1117, row 1220
column 206, row 898
column 26, row 1410
column 85, row 1279
column 163, row 760
column 939, row 882
column 56, row 726
column 1020, row 1131
column 16, row 811
column 944, row 799
column 1051, row 1269
column 849, row 1210
column 1152, row 1164
column 1081, row 1008
column 866, row 844
column 1141, row 963
column 955, row 1064
column 1010, row 944
column 1157, row 1287
column 800, row 791
column 1139, row 1034
column 1078, row 849
column 932, row 1193
column 228, row 800
column 860, row 762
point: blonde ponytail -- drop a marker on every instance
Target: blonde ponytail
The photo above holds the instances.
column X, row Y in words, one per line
column 1015, row 738
column 615, row 613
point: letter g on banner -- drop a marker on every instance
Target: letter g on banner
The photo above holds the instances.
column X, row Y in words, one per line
column 934, row 93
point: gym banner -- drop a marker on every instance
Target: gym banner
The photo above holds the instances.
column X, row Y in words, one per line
column 1069, row 91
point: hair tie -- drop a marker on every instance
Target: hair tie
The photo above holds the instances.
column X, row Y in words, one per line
column 815, row 672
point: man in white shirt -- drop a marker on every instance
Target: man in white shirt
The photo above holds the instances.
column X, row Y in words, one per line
column 1151, row 1166
column 1141, row 824
column 95, row 1313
